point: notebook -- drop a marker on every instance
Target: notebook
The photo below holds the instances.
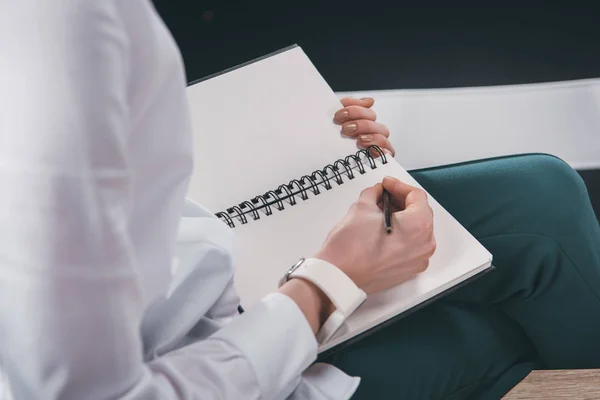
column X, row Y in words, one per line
column 270, row 162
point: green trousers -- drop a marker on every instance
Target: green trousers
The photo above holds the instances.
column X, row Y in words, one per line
column 540, row 308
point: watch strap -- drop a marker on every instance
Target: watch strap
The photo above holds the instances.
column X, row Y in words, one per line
column 337, row 286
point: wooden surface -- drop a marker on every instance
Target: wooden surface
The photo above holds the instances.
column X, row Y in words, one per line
column 568, row 384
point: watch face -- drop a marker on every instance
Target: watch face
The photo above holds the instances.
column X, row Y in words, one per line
column 295, row 267
column 290, row 271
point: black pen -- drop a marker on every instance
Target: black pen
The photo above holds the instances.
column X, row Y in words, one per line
column 387, row 211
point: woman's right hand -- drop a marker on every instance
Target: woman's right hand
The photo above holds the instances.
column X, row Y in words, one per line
column 372, row 258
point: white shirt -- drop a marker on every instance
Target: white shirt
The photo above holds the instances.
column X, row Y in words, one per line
column 95, row 157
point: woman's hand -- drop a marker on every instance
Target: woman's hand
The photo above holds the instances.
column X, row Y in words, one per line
column 358, row 120
column 372, row 258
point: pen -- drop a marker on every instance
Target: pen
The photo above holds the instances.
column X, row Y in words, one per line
column 387, row 211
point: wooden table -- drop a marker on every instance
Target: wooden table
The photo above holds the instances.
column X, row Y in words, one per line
column 567, row 384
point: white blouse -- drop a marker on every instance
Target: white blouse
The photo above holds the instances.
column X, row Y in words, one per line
column 105, row 291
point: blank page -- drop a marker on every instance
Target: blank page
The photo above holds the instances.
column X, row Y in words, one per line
column 259, row 126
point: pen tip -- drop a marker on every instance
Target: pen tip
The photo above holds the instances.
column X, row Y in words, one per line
column 388, row 230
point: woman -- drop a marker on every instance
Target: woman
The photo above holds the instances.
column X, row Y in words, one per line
column 94, row 163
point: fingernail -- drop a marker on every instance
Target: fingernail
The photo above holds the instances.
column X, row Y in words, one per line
column 387, row 151
column 366, row 138
column 349, row 128
column 366, row 98
column 341, row 115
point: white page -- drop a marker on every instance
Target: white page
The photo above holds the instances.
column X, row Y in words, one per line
column 267, row 247
column 260, row 126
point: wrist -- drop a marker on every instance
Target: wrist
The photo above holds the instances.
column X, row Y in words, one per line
column 311, row 300
column 326, row 295
column 333, row 260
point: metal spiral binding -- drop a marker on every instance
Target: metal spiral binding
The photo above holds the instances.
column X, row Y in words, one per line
column 286, row 193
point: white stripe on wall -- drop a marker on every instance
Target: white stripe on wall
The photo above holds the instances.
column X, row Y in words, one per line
column 442, row 126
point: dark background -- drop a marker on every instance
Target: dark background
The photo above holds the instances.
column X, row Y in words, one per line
column 396, row 45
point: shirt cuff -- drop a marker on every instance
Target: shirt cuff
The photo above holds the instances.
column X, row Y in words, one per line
column 276, row 339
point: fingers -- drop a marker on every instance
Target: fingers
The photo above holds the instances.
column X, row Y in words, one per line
column 417, row 199
column 405, row 194
column 417, row 214
column 364, row 126
column 363, row 102
column 352, row 113
column 365, row 141
column 358, row 120
column 371, row 195
column 396, row 187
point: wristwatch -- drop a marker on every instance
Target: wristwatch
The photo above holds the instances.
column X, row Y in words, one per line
column 337, row 286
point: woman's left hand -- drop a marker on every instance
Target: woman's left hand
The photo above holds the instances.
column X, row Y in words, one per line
column 358, row 120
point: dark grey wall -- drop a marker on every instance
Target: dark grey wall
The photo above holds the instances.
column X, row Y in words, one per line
column 371, row 45
column 375, row 45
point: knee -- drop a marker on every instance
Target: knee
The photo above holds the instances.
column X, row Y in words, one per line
column 549, row 189
column 549, row 176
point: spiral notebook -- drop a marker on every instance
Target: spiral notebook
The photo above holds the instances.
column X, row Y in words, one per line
column 272, row 165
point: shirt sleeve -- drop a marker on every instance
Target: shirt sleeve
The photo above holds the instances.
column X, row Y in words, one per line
column 70, row 296
column 259, row 355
